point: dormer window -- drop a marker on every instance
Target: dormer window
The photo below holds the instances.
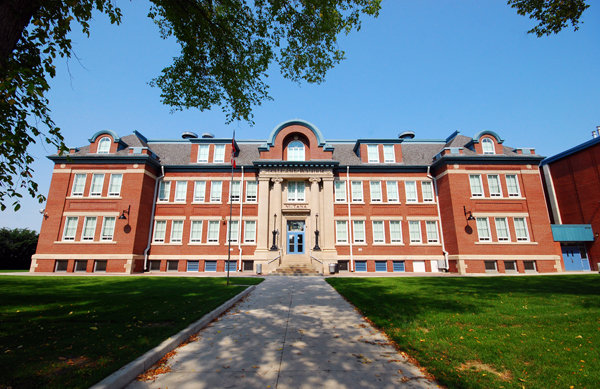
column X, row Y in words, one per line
column 373, row 153
column 295, row 151
column 104, row 146
column 488, row 146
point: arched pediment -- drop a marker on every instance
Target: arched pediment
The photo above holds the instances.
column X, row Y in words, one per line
column 116, row 138
column 478, row 136
column 315, row 130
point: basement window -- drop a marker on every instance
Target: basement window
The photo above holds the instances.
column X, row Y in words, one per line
column 172, row 265
column 81, row 266
column 154, row 265
column 490, row 266
column 529, row 266
column 100, row 266
column 61, row 266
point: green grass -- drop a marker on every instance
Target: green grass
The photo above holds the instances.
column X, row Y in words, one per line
column 71, row 332
column 14, row 271
column 490, row 332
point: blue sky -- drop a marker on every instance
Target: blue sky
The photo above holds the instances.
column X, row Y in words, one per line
column 431, row 67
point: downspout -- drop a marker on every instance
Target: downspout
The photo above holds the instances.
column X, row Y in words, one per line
column 241, row 221
column 162, row 168
column 349, row 217
column 437, row 200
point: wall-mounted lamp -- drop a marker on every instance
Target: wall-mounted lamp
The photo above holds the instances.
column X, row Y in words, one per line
column 123, row 217
column 44, row 213
column 274, row 246
column 469, row 213
column 316, row 248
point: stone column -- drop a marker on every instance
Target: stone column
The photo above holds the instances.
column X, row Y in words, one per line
column 262, row 228
column 328, row 234
column 276, row 209
column 315, row 209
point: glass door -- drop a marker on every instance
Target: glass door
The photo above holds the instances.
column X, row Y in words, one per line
column 295, row 237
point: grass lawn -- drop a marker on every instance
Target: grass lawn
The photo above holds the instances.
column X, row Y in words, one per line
column 14, row 271
column 71, row 332
column 490, row 332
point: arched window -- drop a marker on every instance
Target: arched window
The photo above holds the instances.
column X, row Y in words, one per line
column 488, row 146
column 103, row 145
column 295, row 151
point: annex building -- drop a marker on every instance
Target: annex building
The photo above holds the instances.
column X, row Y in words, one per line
column 462, row 204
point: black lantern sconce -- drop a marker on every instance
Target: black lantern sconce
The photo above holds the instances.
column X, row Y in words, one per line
column 469, row 213
column 316, row 248
column 123, row 217
column 275, row 231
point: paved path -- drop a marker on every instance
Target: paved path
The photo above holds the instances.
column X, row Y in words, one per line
column 291, row 332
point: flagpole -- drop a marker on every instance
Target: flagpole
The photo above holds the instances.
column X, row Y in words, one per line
column 230, row 206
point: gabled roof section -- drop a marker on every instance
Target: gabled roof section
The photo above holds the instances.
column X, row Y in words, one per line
column 271, row 140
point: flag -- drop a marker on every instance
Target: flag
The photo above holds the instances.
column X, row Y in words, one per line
column 233, row 150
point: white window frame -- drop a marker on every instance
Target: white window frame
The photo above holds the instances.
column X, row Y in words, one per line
column 357, row 184
column 427, row 192
column 89, row 237
column 156, row 237
column 165, row 189
column 341, row 234
column 340, row 191
column 412, row 224
column 375, row 187
column 180, row 189
column 474, row 192
column 294, row 152
column 71, row 223
column 95, row 185
column 199, row 191
column 102, row 149
column 393, row 232
column 194, row 228
column 78, row 187
column 379, row 224
column 518, row 192
column 294, row 195
column 393, row 196
column 489, row 144
column 526, row 229
column 407, row 185
column 203, row 151
column 110, row 234
column 235, row 188
column 233, row 238
column 219, row 154
column 482, row 237
column 431, row 227
column 250, row 233
column 216, row 191
column 251, row 191
column 389, row 154
column 497, row 222
column 358, row 232
column 114, row 186
column 373, row 153
column 490, row 179
column 179, row 237
column 210, row 238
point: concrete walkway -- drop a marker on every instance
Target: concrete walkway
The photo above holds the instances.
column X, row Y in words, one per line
column 291, row 332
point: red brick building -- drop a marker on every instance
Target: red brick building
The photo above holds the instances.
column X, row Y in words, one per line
column 130, row 204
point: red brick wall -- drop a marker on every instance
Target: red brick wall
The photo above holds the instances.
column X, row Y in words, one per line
column 277, row 151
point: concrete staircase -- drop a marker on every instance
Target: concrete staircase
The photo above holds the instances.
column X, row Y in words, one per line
column 295, row 265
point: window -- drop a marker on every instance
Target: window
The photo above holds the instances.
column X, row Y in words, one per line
column 490, row 266
column 359, row 231
column 488, row 146
column 341, row 231
column 180, row 191
column 176, row 231
column 373, row 153
column 513, row 185
column 81, row 266
column 529, row 266
column 172, row 265
column 232, row 231
column 232, row 265
column 388, row 153
column 251, row 189
column 61, row 266
column 160, row 228
column 395, row 232
column 357, row 194
column 199, row 191
column 414, row 229
column 483, row 229
column 70, row 228
column 521, row 230
column 378, row 234
column 196, row 231
column 89, row 228
column 154, row 265
column 100, row 266
column 97, row 184
column 213, row 231
column 380, row 265
column 411, row 191
column 376, row 191
column 295, row 191
column 432, row 232
column 203, row 153
column 502, row 229
column 398, row 266
column 215, row 191
column 108, row 229
column 235, row 190
column 164, row 190
column 103, row 146
column 510, row 266
column 360, row 266
column 340, row 191
column 78, row 185
column 210, row 266
column 192, row 266
column 392, row 191
column 476, row 187
column 114, row 187
column 427, row 189
column 494, row 185
column 295, row 151
column 250, row 231
column 219, row 155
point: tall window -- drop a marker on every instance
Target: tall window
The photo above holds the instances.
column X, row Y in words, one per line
column 108, row 228
column 89, row 228
column 476, row 187
column 97, row 184
column 160, row 227
column 251, row 190
column 483, row 229
column 373, row 153
column 357, row 192
column 414, row 229
column 196, row 231
column 232, row 231
column 376, row 191
column 219, row 155
column 103, row 146
column 411, row 191
column 378, row 234
column 114, row 187
column 341, row 232
column 502, row 229
column 176, row 231
column 213, row 231
column 215, row 191
column 235, row 190
column 388, row 154
column 295, row 151
column 203, row 153
column 427, row 189
column 432, row 232
column 199, row 191
column 164, row 190
column 250, row 231
column 513, row 185
column 494, row 185
column 70, row 228
column 295, row 191
column 395, row 231
column 521, row 229
column 340, row 191
column 359, row 231
column 78, row 185
column 488, row 146
column 392, row 191
column 180, row 191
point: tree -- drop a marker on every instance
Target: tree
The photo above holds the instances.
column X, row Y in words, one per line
column 16, row 248
column 553, row 15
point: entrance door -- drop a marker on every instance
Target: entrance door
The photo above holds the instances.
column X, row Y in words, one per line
column 295, row 237
column 575, row 258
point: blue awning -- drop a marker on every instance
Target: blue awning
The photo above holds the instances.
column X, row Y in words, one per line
column 572, row 232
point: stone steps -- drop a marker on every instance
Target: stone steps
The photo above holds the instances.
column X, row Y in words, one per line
column 300, row 269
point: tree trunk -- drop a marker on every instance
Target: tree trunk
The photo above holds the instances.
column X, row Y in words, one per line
column 15, row 16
